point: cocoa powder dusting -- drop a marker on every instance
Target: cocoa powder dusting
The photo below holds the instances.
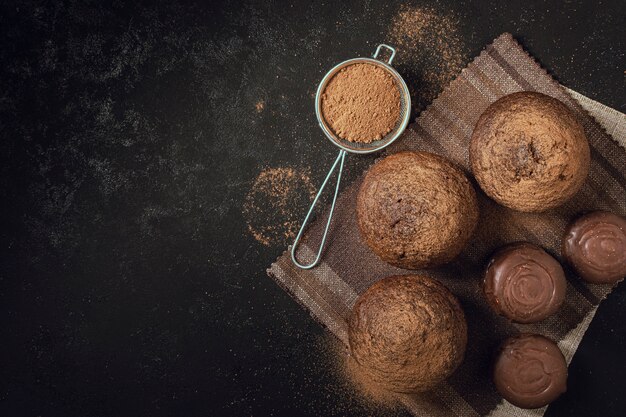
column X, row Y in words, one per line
column 270, row 207
column 430, row 51
column 352, row 386
column 364, row 385
column 361, row 103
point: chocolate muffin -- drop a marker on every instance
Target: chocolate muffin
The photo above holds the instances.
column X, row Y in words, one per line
column 530, row 371
column 528, row 152
column 524, row 283
column 416, row 210
column 595, row 246
column 407, row 333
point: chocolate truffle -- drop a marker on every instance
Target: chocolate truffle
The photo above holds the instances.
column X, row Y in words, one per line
column 528, row 152
column 595, row 246
column 524, row 283
column 530, row 371
column 416, row 210
column 407, row 333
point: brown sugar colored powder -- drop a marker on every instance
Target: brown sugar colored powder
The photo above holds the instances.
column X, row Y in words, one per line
column 361, row 103
column 431, row 50
column 356, row 391
column 271, row 206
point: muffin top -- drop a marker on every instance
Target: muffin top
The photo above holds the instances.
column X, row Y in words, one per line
column 416, row 210
column 529, row 152
column 407, row 333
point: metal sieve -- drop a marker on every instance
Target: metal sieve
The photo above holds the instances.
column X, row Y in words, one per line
column 352, row 147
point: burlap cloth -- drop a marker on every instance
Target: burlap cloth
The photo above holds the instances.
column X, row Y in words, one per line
column 348, row 267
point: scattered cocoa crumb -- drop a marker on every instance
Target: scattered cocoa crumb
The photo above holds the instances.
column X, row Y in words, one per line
column 355, row 392
column 271, row 205
column 364, row 385
column 260, row 106
column 430, row 51
column 361, row 103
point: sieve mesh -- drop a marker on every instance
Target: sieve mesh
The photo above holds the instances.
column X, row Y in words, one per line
column 403, row 120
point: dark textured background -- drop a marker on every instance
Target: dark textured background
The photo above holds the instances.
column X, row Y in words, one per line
column 130, row 138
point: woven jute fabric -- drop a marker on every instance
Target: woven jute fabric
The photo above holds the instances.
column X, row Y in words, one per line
column 348, row 267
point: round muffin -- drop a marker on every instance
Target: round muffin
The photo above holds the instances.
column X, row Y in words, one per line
column 524, row 283
column 530, row 371
column 528, row 152
column 416, row 210
column 595, row 245
column 407, row 333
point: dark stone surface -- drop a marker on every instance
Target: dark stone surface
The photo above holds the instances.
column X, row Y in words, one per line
column 129, row 281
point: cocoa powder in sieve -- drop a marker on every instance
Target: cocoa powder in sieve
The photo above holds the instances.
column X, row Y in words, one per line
column 361, row 103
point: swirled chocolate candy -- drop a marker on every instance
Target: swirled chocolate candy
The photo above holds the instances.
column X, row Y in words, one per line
column 524, row 283
column 530, row 371
column 595, row 245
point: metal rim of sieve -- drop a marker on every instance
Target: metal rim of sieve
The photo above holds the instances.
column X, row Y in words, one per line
column 389, row 138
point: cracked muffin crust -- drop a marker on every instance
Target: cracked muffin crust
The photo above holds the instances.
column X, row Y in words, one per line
column 528, row 152
column 407, row 333
column 416, row 210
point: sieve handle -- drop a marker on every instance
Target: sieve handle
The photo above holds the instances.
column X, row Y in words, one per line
column 393, row 52
column 339, row 161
